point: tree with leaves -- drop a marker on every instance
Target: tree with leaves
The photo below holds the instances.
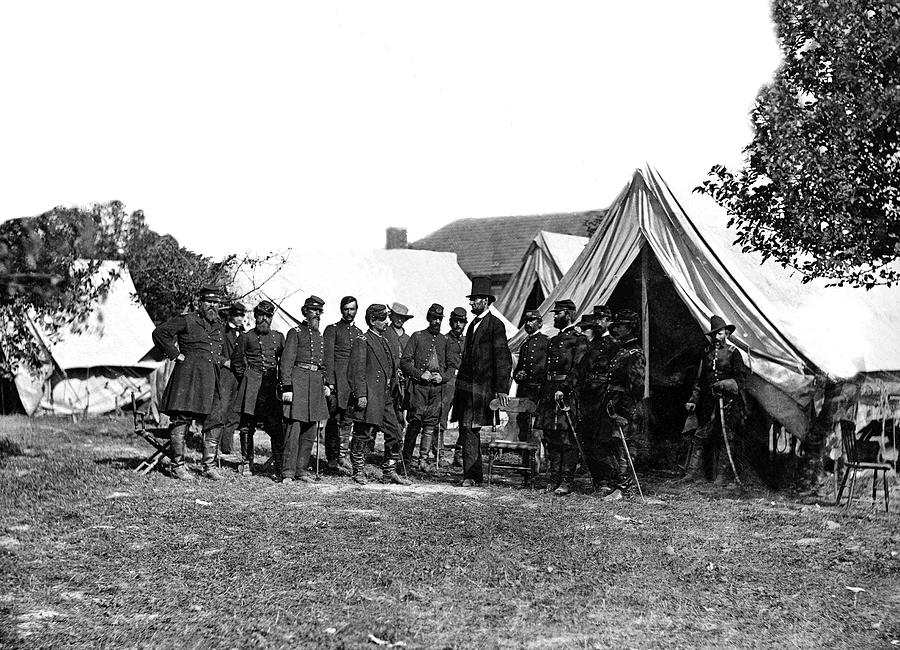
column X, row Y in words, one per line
column 819, row 190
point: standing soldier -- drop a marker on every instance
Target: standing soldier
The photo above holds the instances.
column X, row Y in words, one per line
column 590, row 380
column 720, row 381
column 255, row 362
column 424, row 364
column 373, row 383
column 397, row 338
column 531, row 368
column 302, row 373
column 225, row 416
column 564, row 351
column 339, row 338
column 194, row 342
column 485, row 373
column 455, row 343
column 626, row 395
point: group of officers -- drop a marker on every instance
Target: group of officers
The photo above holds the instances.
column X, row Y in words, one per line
column 587, row 385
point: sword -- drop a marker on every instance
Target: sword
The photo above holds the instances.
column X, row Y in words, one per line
column 562, row 406
column 727, row 444
column 612, row 414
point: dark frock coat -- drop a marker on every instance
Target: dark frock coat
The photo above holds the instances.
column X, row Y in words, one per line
column 373, row 375
column 339, row 339
column 255, row 358
column 564, row 351
column 192, row 385
column 307, row 346
column 484, row 371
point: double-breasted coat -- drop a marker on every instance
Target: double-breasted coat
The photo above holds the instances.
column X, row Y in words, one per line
column 373, row 375
column 339, row 339
column 255, row 363
column 564, row 351
column 302, row 372
column 533, row 364
column 192, row 386
column 484, row 371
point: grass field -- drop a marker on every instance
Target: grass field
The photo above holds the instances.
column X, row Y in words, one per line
column 95, row 556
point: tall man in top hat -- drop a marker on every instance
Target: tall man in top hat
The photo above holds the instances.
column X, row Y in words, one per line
column 485, row 373
column 302, row 373
column 373, row 383
column 424, row 364
column 194, row 342
column 721, row 377
column 564, row 351
column 255, row 362
column 455, row 343
column 226, row 417
column 339, row 339
column 531, row 368
column 590, row 378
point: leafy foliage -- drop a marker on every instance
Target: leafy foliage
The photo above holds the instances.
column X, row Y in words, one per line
column 820, row 187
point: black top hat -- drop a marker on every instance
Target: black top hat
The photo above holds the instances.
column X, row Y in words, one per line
column 481, row 288
column 717, row 323
column 459, row 313
column 564, row 305
column 265, row 307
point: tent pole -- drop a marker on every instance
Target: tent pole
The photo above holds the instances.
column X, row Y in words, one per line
column 645, row 320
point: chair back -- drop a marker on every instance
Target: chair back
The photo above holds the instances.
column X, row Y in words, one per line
column 848, row 441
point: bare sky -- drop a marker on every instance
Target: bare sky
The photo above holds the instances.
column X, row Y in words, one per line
column 269, row 125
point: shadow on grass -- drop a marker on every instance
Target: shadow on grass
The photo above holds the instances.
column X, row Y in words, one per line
column 9, row 449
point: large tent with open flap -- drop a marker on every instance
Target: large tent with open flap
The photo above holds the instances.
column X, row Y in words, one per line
column 546, row 261
column 98, row 362
column 810, row 347
column 415, row 278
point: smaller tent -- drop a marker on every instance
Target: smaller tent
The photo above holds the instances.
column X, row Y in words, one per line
column 97, row 362
column 415, row 278
column 549, row 256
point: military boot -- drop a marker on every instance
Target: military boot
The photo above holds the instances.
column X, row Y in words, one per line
column 210, row 447
column 694, row 469
column 409, row 440
column 425, row 450
column 554, row 461
column 389, row 473
column 568, row 461
column 358, row 459
column 246, row 438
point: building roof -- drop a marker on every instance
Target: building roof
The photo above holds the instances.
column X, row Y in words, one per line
column 494, row 246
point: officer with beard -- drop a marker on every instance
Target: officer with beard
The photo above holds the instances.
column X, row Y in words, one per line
column 531, row 368
column 255, row 363
column 194, row 342
column 564, row 351
column 302, row 373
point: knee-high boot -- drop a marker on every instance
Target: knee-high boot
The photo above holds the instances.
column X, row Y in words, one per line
column 358, row 460
column 554, row 466
column 425, row 448
column 409, row 440
column 694, row 470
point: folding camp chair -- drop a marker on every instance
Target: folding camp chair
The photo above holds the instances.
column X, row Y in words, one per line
column 856, row 458
column 526, row 450
column 156, row 437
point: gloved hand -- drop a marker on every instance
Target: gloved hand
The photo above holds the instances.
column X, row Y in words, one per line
column 558, row 395
column 689, row 407
column 362, row 402
column 327, row 391
column 287, row 397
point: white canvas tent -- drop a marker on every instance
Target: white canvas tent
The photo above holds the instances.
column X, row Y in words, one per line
column 415, row 278
column 98, row 362
column 548, row 258
column 797, row 337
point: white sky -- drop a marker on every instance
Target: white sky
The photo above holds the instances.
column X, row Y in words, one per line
column 268, row 125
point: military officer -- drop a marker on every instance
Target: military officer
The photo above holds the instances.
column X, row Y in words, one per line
column 531, row 368
column 590, row 380
column 339, row 339
column 373, row 382
column 625, row 400
column 255, row 362
column 564, row 351
column 721, row 377
column 194, row 342
column 226, row 416
column 455, row 343
column 424, row 364
column 304, row 393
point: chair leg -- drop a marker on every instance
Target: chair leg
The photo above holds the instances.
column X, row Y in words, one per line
column 887, row 492
column 874, row 485
column 837, row 501
column 850, row 494
column 490, row 466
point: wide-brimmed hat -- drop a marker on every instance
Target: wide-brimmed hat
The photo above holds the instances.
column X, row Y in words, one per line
column 717, row 323
column 210, row 293
column 564, row 305
column 481, row 288
column 265, row 308
column 399, row 309
column 460, row 314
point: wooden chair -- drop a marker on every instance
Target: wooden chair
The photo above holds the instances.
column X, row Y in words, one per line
column 853, row 463
column 156, row 437
column 526, row 450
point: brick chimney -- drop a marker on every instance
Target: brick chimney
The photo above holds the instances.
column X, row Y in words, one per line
column 396, row 238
